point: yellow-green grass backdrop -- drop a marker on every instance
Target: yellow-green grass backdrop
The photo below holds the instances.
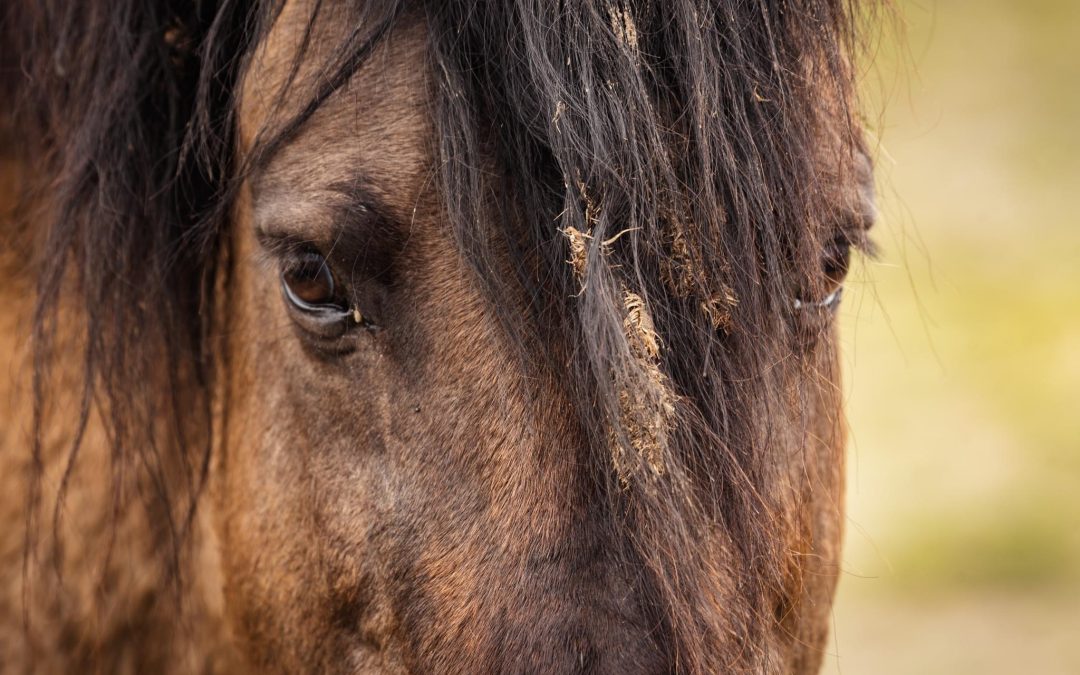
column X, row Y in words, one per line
column 962, row 349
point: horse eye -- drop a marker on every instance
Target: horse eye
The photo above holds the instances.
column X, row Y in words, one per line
column 835, row 260
column 309, row 283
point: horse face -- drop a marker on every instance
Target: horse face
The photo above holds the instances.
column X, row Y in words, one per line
column 393, row 491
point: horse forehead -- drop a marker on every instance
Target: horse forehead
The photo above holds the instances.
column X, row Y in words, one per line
column 379, row 121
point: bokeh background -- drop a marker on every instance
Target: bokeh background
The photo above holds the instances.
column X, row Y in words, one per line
column 962, row 349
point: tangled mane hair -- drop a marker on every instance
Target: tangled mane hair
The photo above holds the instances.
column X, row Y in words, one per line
column 659, row 190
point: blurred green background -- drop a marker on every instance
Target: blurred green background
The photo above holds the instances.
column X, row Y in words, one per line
column 962, row 349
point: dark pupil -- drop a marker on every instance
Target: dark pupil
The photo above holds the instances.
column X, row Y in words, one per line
column 311, row 281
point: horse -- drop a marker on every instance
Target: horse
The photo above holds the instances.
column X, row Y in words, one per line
column 492, row 336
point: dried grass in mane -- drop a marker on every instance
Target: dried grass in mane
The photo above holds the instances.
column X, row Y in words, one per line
column 659, row 186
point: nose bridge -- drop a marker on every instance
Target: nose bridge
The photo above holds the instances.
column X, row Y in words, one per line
column 594, row 607
column 604, row 621
column 619, row 630
column 581, row 608
column 589, row 605
column 538, row 581
column 577, row 606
